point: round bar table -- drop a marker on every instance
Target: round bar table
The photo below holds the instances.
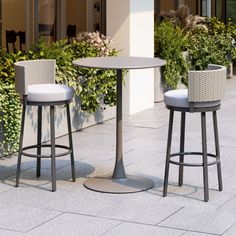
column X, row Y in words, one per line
column 119, row 182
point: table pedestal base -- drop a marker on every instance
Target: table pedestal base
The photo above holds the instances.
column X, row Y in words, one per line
column 131, row 184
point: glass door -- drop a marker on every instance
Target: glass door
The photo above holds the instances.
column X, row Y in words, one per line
column 231, row 10
column 45, row 20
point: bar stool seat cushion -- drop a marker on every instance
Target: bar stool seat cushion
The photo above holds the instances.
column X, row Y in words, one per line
column 49, row 93
column 179, row 98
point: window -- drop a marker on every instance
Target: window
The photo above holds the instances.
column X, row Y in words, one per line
column 50, row 19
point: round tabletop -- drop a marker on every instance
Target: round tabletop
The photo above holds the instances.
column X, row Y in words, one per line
column 119, row 62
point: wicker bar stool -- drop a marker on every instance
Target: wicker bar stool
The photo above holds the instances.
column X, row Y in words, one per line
column 35, row 82
column 206, row 89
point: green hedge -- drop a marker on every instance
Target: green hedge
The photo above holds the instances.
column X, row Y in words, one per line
column 95, row 88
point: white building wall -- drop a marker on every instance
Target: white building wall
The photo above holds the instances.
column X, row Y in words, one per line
column 131, row 24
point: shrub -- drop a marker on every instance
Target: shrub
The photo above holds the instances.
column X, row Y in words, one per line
column 9, row 101
column 215, row 46
column 169, row 44
column 96, row 88
column 212, row 44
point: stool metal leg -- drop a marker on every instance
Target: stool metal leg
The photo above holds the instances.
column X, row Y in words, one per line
column 70, row 143
column 168, row 153
column 20, row 143
column 181, row 156
column 217, row 148
column 53, row 159
column 204, row 155
column 39, row 139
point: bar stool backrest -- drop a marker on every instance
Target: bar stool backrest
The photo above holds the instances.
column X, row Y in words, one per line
column 33, row 72
column 207, row 85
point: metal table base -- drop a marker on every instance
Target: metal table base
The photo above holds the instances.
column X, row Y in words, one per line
column 131, row 184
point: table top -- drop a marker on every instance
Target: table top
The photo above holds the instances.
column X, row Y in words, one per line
column 119, row 62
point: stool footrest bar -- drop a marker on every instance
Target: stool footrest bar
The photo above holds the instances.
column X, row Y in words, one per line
column 193, row 164
column 43, row 146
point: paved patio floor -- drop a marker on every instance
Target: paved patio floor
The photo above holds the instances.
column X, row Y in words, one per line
column 32, row 209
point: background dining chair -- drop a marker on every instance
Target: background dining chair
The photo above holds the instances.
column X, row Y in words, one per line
column 21, row 35
column 11, row 40
column 35, row 82
column 206, row 89
column 71, row 31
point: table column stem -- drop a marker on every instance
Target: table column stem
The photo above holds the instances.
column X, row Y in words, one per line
column 119, row 170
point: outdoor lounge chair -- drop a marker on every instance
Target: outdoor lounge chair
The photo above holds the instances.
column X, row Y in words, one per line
column 205, row 90
column 35, row 82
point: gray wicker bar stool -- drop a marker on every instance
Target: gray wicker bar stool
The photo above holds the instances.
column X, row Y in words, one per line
column 35, row 82
column 206, row 89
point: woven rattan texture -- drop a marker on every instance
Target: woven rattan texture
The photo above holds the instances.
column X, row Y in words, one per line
column 208, row 85
column 33, row 72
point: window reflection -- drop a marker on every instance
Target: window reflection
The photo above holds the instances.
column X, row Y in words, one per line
column 231, row 10
column 46, row 19
column 12, row 22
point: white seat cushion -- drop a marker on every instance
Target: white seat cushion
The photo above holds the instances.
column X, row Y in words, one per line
column 179, row 98
column 49, row 93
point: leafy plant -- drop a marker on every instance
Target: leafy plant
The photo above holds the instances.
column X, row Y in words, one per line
column 215, row 46
column 183, row 18
column 96, row 88
column 169, row 44
column 9, row 101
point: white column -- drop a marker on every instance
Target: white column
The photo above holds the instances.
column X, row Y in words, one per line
column 131, row 25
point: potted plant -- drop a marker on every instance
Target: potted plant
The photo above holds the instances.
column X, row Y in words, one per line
column 170, row 42
column 215, row 45
column 206, row 40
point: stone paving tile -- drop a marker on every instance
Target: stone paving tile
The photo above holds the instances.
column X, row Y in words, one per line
column 72, row 224
column 84, row 201
column 28, row 178
column 91, row 146
column 108, row 128
column 146, row 170
column 148, row 121
column 146, row 209
column 192, row 179
column 201, row 220
column 22, row 218
column 39, row 197
column 8, row 165
column 229, row 185
column 4, row 187
column 197, row 234
column 189, row 196
column 231, row 231
column 153, row 118
column 229, row 206
column 87, row 168
column 132, row 229
column 10, row 233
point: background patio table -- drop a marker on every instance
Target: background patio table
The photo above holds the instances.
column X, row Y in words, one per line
column 119, row 182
